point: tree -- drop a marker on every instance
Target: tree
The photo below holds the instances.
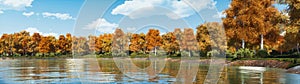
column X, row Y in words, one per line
column 92, row 43
column 203, row 38
column 52, row 44
column 189, row 41
column 61, row 45
column 294, row 12
column 153, row 40
column 80, row 46
column 170, row 44
column 137, row 42
column 5, row 44
column 178, row 34
column 69, row 43
column 216, row 31
column 98, row 46
column 44, row 46
column 292, row 31
column 104, row 43
column 25, row 43
column 36, row 38
column 249, row 20
column 120, row 43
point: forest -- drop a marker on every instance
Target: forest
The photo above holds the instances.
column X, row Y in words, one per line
column 252, row 28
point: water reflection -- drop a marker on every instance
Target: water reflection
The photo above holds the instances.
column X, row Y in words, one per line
column 105, row 71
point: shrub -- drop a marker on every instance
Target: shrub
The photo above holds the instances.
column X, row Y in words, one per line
column 229, row 54
column 212, row 53
column 262, row 53
column 244, row 53
column 203, row 53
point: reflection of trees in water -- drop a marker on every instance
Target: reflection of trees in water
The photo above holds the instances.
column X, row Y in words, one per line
column 235, row 75
column 108, row 66
column 41, row 67
column 28, row 69
column 25, row 70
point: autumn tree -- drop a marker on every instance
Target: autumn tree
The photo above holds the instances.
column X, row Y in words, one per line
column 98, row 44
column 22, row 44
column 153, row 40
column 293, row 12
column 293, row 26
column 170, row 45
column 218, row 40
column 12, row 44
column 5, row 44
column 25, row 42
column 80, row 45
column 189, row 41
column 119, row 43
column 137, row 42
column 103, row 43
column 249, row 20
column 44, row 45
column 92, row 43
column 36, row 38
column 203, row 38
column 69, row 43
column 107, row 42
column 61, row 44
column 178, row 35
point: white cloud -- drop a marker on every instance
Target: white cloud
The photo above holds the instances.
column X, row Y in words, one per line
column 102, row 26
column 131, row 29
column 220, row 15
column 50, row 34
column 33, row 30
column 28, row 14
column 15, row 4
column 62, row 16
column 180, row 9
column 1, row 12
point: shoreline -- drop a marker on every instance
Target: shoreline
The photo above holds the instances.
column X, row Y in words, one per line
column 288, row 66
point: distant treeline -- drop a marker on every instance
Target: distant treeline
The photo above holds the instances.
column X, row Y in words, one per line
column 171, row 43
column 250, row 28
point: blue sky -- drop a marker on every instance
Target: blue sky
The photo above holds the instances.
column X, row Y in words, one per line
column 55, row 17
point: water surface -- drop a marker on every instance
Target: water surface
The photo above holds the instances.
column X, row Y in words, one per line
column 77, row 71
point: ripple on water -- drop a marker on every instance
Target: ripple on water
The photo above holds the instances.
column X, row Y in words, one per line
column 82, row 71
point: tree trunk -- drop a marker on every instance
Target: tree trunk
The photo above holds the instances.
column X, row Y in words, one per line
column 189, row 53
column 261, row 42
column 297, row 48
column 155, row 50
column 243, row 43
column 24, row 52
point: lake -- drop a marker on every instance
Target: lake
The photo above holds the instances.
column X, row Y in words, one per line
column 77, row 71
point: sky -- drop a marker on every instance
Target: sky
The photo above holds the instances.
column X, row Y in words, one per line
column 86, row 17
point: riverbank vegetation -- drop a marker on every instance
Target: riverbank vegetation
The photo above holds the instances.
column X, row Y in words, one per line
column 253, row 29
